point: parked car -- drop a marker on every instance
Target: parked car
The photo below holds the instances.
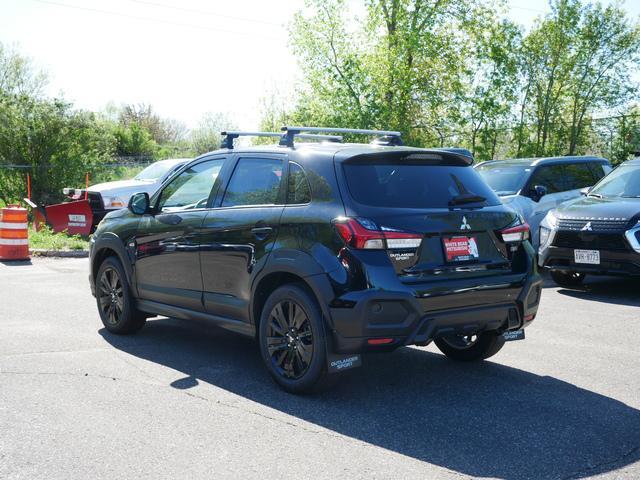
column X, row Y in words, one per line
column 106, row 197
column 598, row 233
column 322, row 252
column 533, row 186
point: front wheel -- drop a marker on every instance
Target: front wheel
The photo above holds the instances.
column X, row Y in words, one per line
column 567, row 279
column 292, row 339
column 468, row 348
column 115, row 303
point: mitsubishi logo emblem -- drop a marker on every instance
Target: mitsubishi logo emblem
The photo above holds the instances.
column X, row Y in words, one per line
column 586, row 228
column 465, row 225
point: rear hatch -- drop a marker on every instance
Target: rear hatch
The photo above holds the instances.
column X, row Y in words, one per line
column 438, row 217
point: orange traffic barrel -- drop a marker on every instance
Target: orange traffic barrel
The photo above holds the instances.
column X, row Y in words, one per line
column 14, row 236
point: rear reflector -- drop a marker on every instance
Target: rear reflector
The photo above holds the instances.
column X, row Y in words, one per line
column 519, row 233
column 365, row 234
column 528, row 318
column 400, row 243
column 379, row 341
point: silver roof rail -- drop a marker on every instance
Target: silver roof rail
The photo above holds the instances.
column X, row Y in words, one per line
column 388, row 137
column 230, row 136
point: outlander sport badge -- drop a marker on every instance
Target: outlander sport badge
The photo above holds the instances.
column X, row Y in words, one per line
column 586, row 228
column 465, row 225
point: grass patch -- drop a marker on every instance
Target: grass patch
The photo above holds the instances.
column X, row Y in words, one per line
column 48, row 240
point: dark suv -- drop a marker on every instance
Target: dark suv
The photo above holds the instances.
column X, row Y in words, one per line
column 323, row 251
column 598, row 233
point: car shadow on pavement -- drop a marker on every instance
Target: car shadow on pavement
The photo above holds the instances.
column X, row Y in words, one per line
column 618, row 290
column 16, row 263
column 481, row 420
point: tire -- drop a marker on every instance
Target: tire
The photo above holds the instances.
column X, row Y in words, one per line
column 292, row 339
column 567, row 279
column 470, row 348
column 115, row 302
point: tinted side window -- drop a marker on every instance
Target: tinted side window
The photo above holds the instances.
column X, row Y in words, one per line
column 255, row 181
column 578, row 175
column 191, row 188
column 599, row 171
column 299, row 191
column 551, row 177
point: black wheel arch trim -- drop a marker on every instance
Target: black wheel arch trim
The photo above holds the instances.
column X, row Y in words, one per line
column 110, row 241
column 304, row 267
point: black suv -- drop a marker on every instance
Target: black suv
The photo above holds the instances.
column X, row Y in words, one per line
column 323, row 251
column 595, row 234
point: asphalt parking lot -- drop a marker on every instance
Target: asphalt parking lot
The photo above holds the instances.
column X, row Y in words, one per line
column 181, row 401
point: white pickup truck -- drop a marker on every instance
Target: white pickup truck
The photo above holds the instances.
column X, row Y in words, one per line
column 106, row 197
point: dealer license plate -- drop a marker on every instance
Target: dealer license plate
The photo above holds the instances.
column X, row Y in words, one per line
column 587, row 256
column 460, row 249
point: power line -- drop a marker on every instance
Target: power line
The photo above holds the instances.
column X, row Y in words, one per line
column 157, row 20
column 204, row 12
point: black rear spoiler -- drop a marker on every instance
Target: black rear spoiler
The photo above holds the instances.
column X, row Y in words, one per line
column 430, row 156
column 460, row 151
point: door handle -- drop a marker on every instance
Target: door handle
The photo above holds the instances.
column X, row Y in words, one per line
column 261, row 231
column 170, row 219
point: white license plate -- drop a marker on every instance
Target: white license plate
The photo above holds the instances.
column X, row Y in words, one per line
column 587, row 256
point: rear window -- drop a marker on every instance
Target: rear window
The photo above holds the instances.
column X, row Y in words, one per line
column 401, row 185
column 504, row 179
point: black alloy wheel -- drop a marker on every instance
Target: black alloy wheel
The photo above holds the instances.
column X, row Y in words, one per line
column 290, row 339
column 111, row 295
column 461, row 342
column 293, row 341
column 116, row 304
column 472, row 347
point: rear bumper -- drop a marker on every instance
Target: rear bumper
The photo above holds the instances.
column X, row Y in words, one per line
column 407, row 319
column 612, row 262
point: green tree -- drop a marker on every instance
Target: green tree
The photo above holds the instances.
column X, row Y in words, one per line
column 491, row 80
column 206, row 137
column 401, row 70
column 56, row 143
column 162, row 130
column 18, row 76
column 607, row 51
column 576, row 61
column 134, row 140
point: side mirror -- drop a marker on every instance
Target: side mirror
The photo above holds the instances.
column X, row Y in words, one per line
column 139, row 203
column 537, row 192
column 585, row 191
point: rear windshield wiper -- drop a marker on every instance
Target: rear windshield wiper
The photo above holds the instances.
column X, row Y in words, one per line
column 466, row 198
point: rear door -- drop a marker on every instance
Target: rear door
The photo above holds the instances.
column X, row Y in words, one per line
column 167, row 242
column 240, row 232
column 455, row 212
column 552, row 177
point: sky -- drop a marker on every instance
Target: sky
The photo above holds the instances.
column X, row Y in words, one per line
column 184, row 57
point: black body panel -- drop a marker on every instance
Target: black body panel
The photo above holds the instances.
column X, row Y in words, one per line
column 168, row 258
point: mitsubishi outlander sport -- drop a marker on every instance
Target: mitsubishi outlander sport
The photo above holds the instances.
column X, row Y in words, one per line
column 322, row 251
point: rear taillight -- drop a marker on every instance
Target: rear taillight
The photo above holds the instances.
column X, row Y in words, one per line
column 362, row 233
column 519, row 233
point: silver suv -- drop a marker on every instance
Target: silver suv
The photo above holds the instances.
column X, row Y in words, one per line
column 533, row 186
